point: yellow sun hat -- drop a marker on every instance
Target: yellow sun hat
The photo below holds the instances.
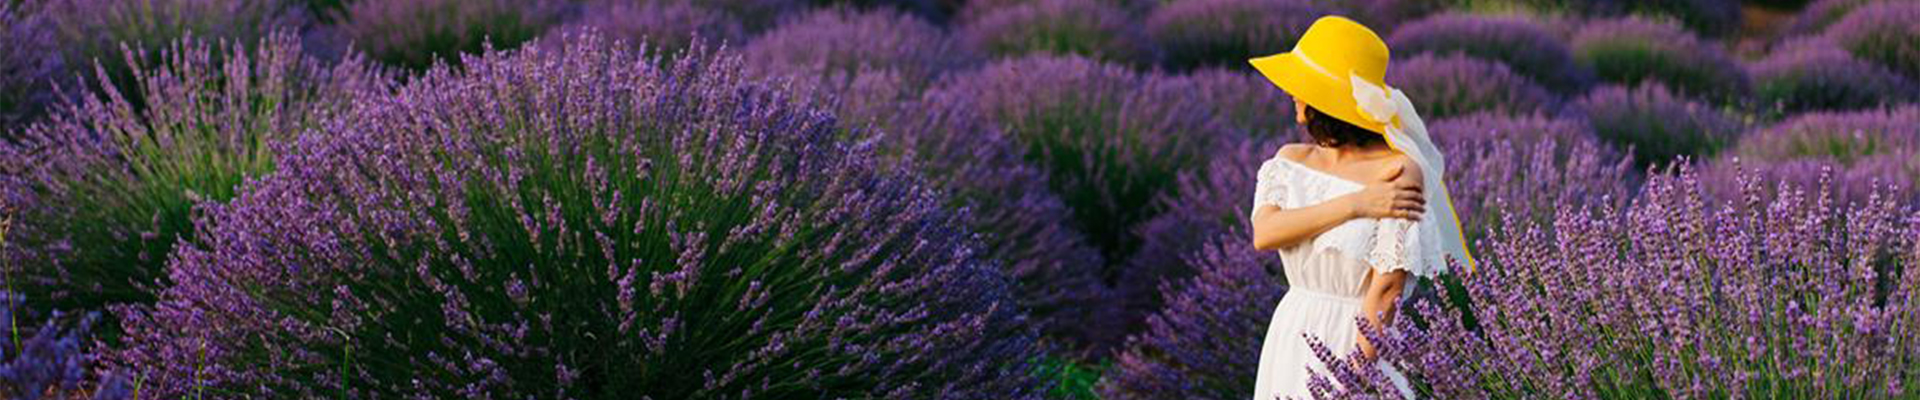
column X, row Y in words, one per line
column 1318, row 69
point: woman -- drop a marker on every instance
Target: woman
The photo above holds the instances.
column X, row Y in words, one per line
column 1348, row 213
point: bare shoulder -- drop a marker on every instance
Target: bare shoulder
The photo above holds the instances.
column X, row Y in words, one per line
column 1296, row 152
column 1409, row 170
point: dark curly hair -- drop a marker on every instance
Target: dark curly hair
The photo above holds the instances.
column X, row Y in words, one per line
column 1332, row 132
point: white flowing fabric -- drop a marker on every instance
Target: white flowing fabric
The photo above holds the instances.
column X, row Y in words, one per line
column 1440, row 230
column 1325, row 275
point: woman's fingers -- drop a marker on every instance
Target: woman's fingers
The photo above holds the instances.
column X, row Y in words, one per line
column 1407, row 205
column 1409, row 195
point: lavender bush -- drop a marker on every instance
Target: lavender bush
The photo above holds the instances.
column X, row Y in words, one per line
column 756, row 15
column 1205, row 344
column 1681, row 296
column 416, row 34
column 1718, row 18
column 1882, row 33
column 938, row 9
column 48, row 359
column 1631, row 50
column 1243, row 102
column 1023, row 225
column 1856, row 180
column 596, row 223
column 25, row 69
column 1094, row 29
column 34, row 361
column 1819, row 15
column 1656, row 123
column 844, row 42
column 1809, row 75
column 1527, row 167
column 1859, row 149
column 109, row 34
column 1454, row 85
column 1519, row 43
column 1108, row 140
column 1842, row 136
column 1385, row 15
column 104, row 188
column 1708, row 17
column 1197, row 33
column 666, row 26
column 1206, row 205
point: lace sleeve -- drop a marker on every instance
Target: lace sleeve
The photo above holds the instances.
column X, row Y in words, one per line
column 1271, row 187
column 1392, row 239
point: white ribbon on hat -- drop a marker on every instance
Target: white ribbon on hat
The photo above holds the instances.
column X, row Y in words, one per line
column 1438, row 232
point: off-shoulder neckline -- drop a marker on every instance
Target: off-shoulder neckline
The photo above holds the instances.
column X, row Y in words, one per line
column 1317, row 171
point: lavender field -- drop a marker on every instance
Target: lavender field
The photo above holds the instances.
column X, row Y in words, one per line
column 930, row 199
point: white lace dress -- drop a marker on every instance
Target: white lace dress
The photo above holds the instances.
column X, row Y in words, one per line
column 1326, row 276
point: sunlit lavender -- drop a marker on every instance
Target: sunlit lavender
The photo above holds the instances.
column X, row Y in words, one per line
column 585, row 256
column 103, row 189
column 1679, row 295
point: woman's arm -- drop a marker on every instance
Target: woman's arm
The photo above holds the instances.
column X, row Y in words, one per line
column 1275, row 228
column 1387, row 276
column 1395, row 195
column 1377, row 303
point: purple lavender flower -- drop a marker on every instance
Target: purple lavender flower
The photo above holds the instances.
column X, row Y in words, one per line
column 45, row 358
column 755, row 15
column 109, row 34
column 1814, row 74
column 1714, row 18
column 1631, row 50
column 1519, row 43
column 26, row 69
column 593, row 223
column 415, row 34
column 1242, row 101
column 1094, row 29
column 1109, row 141
column 1196, row 33
column 105, row 188
column 1855, row 181
column 1207, row 203
column 844, row 42
column 1882, row 33
column 1527, row 167
column 934, row 9
column 1860, row 150
column 1206, row 343
column 1386, row 16
column 1656, row 123
column 1454, row 85
column 1023, row 225
column 1680, row 295
column 1842, row 136
column 1819, row 15
column 667, row 26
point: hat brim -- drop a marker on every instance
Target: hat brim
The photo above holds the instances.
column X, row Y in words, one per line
column 1331, row 95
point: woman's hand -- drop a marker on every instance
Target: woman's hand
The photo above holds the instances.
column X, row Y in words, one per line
column 1394, row 195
